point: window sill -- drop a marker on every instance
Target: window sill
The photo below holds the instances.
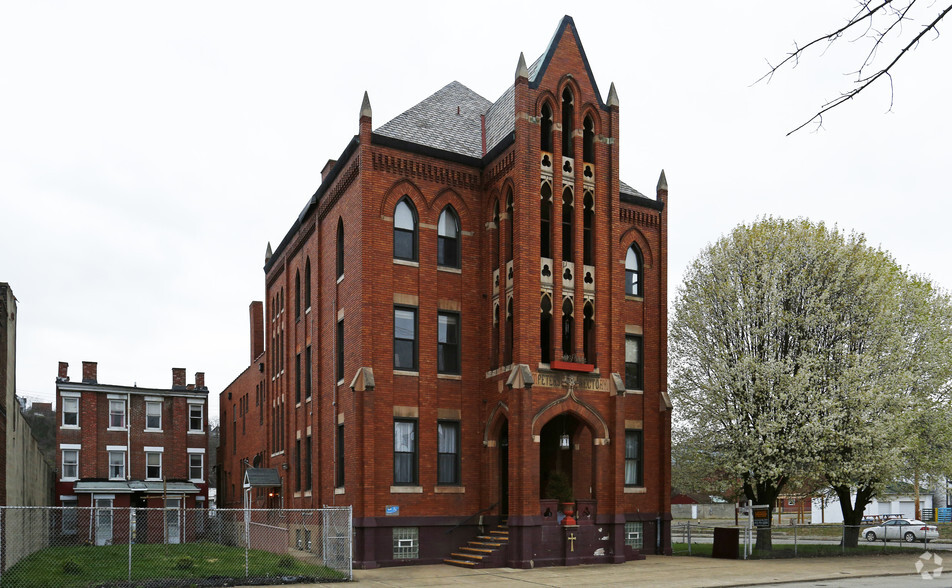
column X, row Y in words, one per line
column 340, row 278
column 70, row 427
column 196, row 480
column 635, row 298
column 196, row 432
column 449, row 490
column 406, row 262
column 159, row 479
column 69, row 479
column 340, row 382
column 307, row 310
column 152, row 431
column 307, row 493
column 449, row 377
column 572, row 366
column 406, row 489
column 339, row 490
column 115, row 428
column 635, row 490
column 635, row 392
column 406, row 373
column 449, row 270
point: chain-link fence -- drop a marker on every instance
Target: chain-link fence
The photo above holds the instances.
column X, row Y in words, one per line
column 112, row 546
column 805, row 540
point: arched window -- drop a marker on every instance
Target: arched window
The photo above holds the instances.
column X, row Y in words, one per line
column 588, row 332
column 511, row 222
column 568, row 329
column 588, row 140
column 307, row 283
column 297, row 294
column 508, row 353
column 588, row 231
column 405, row 231
column 546, row 139
column 545, row 230
column 340, row 247
column 545, row 329
column 447, row 245
column 633, row 271
column 568, row 116
column 568, row 225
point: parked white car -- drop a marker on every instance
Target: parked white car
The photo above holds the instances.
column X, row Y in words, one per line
column 906, row 529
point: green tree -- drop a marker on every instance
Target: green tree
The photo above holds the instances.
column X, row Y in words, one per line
column 764, row 341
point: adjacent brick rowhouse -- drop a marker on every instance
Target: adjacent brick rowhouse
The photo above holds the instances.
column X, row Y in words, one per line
column 171, row 422
column 539, row 299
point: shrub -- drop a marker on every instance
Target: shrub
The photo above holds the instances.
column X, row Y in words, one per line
column 286, row 562
column 185, row 563
column 72, row 568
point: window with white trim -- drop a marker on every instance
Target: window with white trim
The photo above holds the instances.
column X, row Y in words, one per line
column 195, row 418
column 70, row 465
column 117, row 414
column 153, row 416
column 196, row 467
column 117, row 465
column 68, row 522
column 70, row 412
column 153, row 465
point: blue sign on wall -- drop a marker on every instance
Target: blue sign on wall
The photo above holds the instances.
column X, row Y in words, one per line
column 393, row 510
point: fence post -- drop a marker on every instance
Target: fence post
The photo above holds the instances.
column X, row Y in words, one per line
column 129, row 516
column 1, row 542
column 795, row 540
column 689, row 537
column 247, row 537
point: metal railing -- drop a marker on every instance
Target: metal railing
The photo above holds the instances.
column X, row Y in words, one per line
column 83, row 546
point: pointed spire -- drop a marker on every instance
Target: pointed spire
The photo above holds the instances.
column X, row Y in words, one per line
column 612, row 96
column 365, row 109
column 268, row 253
column 521, row 70
column 662, row 182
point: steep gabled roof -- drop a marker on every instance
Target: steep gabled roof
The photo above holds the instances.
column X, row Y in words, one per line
column 537, row 70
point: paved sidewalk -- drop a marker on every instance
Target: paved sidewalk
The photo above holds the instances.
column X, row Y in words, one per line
column 678, row 572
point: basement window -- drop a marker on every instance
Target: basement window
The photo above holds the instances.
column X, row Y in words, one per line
column 406, row 543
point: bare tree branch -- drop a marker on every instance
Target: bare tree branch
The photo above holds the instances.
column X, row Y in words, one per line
column 865, row 15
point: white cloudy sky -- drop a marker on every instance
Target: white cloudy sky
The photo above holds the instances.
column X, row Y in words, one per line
column 149, row 151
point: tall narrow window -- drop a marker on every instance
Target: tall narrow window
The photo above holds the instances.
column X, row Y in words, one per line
column 447, row 356
column 70, row 465
column 340, row 350
column 633, row 458
column 340, row 456
column 447, row 465
column 70, row 411
column 307, row 284
column 297, row 465
column 633, row 271
column 405, row 231
column 545, row 329
column 545, row 229
column 297, row 379
column 153, row 465
column 195, row 418
column 568, row 224
column 588, row 140
column 404, row 452
column 588, row 332
column 588, row 230
column 498, row 240
column 568, row 328
column 117, row 465
column 307, row 373
column 448, row 242
column 545, row 142
column 297, row 294
column 404, row 338
column 568, row 123
column 340, row 247
column 494, row 345
column 307, row 464
column 507, row 359
column 153, row 416
column 117, row 414
column 633, row 371
column 196, row 469
column 510, row 232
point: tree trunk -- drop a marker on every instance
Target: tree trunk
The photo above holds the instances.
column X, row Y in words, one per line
column 915, row 481
column 765, row 493
column 852, row 513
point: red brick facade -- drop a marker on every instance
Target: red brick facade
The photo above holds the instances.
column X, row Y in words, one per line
column 511, row 400
column 176, row 431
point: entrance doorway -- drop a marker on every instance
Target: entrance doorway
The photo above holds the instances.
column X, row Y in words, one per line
column 566, row 459
column 172, row 526
column 103, row 521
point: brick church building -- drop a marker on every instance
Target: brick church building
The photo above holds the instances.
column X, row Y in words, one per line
column 465, row 329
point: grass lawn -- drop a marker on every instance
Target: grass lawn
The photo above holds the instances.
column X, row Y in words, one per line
column 183, row 564
column 786, row 551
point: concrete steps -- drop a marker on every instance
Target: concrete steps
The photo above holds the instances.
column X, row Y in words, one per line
column 479, row 552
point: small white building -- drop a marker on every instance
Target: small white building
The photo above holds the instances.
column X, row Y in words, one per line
column 897, row 500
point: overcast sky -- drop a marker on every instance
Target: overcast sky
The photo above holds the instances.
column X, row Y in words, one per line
column 149, row 152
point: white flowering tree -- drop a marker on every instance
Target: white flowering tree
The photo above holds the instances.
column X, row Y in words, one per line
column 778, row 331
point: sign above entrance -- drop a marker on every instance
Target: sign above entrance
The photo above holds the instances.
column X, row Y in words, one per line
column 574, row 381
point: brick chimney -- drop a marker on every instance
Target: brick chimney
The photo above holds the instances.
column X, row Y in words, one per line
column 89, row 372
column 178, row 378
column 256, row 312
column 200, row 380
column 327, row 168
column 62, row 375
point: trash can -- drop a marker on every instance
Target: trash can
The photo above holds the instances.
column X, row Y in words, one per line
column 726, row 543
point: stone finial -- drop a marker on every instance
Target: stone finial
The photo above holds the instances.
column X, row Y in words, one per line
column 662, row 182
column 612, row 96
column 365, row 109
column 268, row 253
column 521, row 70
